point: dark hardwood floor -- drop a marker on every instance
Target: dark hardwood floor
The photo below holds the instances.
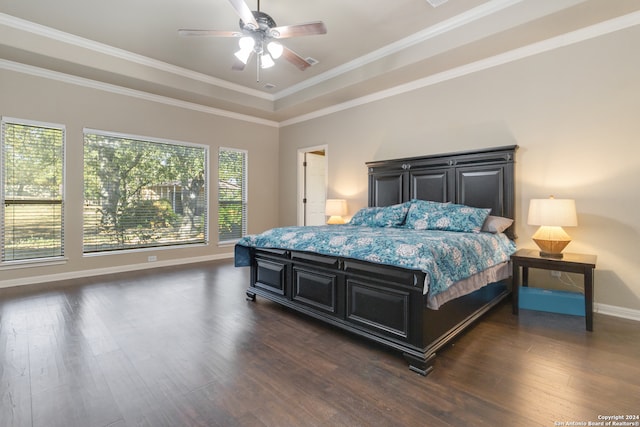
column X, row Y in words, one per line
column 182, row 347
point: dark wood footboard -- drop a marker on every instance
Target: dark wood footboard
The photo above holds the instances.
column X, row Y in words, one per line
column 384, row 304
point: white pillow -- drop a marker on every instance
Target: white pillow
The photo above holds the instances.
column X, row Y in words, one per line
column 496, row 224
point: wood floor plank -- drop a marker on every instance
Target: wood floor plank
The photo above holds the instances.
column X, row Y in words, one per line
column 15, row 400
column 181, row 346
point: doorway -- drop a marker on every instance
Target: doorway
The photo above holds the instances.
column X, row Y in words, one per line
column 312, row 185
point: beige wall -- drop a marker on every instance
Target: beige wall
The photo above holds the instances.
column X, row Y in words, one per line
column 33, row 98
column 575, row 114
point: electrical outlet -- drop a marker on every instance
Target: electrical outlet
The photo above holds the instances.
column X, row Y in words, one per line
column 152, row 258
column 556, row 274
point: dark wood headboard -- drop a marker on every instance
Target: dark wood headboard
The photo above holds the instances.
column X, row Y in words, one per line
column 481, row 178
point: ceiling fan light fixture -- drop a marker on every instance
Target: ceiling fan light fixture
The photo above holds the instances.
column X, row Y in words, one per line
column 259, row 34
column 246, row 43
column 275, row 49
column 266, row 61
column 243, row 55
column 246, row 48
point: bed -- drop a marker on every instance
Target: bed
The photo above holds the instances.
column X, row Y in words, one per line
column 410, row 304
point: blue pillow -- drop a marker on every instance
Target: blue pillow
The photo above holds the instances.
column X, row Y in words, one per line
column 425, row 215
column 386, row 216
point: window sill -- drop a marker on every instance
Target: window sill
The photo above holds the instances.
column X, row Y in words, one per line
column 45, row 262
column 140, row 250
column 227, row 243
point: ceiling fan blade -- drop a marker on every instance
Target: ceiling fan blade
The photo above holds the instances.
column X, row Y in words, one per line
column 244, row 13
column 239, row 65
column 295, row 59
column 209, row 33
column 308, row 29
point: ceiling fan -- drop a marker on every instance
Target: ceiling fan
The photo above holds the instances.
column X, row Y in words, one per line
column 258, row 34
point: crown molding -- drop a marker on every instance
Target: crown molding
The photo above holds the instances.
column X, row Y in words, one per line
column 583, row 34
column 107, row 87
column 70, row 39
column 458, row 21
column 593, row 31
column 443, row 27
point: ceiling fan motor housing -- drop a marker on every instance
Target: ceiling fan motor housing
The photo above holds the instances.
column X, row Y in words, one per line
column 265, row 22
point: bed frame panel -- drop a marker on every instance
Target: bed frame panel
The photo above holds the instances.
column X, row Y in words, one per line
column 382, row 303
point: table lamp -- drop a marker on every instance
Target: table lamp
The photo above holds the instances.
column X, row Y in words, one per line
column 551, row 215
column 335, row 209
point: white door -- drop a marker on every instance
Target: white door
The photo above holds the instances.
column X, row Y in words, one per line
column 315, row 188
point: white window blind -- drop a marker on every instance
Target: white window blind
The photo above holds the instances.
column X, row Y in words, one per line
column 142, row 192
column 32, row 164
column 232, row 194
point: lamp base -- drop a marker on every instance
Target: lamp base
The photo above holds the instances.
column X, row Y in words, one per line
column 551, row 241
column 335, row 219
column 544, row 254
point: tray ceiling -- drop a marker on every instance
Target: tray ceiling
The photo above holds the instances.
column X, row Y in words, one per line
column 371, row 46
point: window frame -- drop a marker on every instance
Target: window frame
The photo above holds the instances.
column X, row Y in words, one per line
column 245, row 196
column 155, row 140
column 39, row 261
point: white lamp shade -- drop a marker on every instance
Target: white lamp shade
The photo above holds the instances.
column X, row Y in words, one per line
column 275, row 49
column 553, row 212
column 266, row 61
column 336, row 207
column 246, row 48
column 243, row 55
column 246, row 43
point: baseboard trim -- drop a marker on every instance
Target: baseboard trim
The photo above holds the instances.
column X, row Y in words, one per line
column 613, row 310
column 34, row 280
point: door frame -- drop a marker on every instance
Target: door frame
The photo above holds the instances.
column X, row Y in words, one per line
column 301, row 177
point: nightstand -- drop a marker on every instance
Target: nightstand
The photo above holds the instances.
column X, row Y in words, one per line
column 572, row 263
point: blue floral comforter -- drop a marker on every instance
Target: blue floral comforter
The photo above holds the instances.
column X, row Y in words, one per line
column 445, row 256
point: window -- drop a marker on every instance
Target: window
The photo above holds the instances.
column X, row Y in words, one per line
column 232, row 194
column 141, row 193
column 31, row 168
